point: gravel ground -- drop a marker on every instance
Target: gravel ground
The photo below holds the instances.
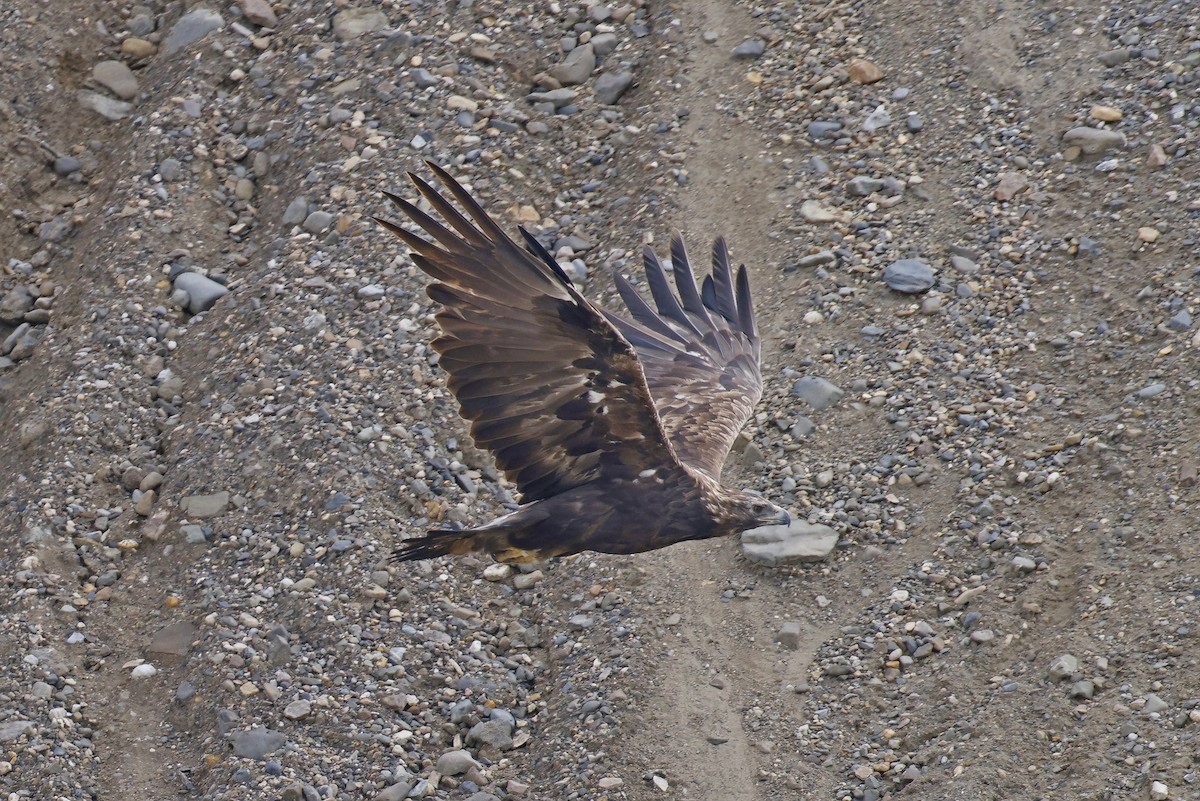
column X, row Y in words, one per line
column 975, row 241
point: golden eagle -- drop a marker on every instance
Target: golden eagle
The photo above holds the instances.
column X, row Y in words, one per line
column 613, row 430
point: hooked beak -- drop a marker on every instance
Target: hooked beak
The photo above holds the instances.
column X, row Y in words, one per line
column 782, row 518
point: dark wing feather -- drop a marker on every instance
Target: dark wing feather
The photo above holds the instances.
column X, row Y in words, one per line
column 549, row 386
column 700, row 353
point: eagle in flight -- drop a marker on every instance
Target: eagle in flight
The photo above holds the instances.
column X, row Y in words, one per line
column 613, row 430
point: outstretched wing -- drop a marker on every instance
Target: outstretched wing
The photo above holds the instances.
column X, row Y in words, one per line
column 549, row 386
column 699, row 351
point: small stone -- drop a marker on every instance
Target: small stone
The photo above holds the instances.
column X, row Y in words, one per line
column 351, row 23
column 65, row 165
column 863, row 71
column 204, row 506
column 13, row 306
column 1010, row 185
column 257, row 743
column 296, row 212
column 138, row 47
column 1159, row 791
column 610, row 782
column 495, row 733
column 191, row 27
column 317, row 221
column 1084, row 688
column 259, row 12
column 1180, row 321
column 1148, row 234
column 780, row 545
column 879, row 118
column 817, row 392
column 116, row 78
column 144, row 671
column 456, row 763
column 1112, row 58
column 1024, row 563
column 298, row 709
column 1093, row 140
column 497, row 572
column 168, row 169
column 576, row 68
column 203, row 292
column 1151, row 390
column 525, row 581
column 12, row 729
column 1105, row 113
column 981, row 636
column 107, row 107
column 1154, row 704
column 812, row 211
column 751, row 48
column 862, row 185
column 1063, row 667
column 789, row 635
column 1157, row 157
column 611, row 85
column 910, row 276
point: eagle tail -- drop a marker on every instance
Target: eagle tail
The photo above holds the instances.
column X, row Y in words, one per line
column 438, row 542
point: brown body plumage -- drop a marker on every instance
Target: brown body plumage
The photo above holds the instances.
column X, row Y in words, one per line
column 613, row 430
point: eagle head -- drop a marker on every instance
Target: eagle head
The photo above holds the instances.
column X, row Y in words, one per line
column 756, row 512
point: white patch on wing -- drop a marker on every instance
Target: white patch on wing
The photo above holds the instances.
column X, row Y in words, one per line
column 594, row 397
column 647, row 473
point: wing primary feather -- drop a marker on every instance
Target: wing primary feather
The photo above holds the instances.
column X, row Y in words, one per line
column 723, row 279
column 660, row 290
column 539, row 250
column 641, row 310
column 746, row 307
column 410, row 239
column 472, row 207
column 685, row 281
column 446, row 238
column 477, row 237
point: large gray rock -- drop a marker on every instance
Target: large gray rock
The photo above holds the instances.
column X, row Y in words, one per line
column 817, row 392
column 14, row 305
column 576, row 67
column 352, row 23
column 455, row 763
column 202, row 291
column 204, row 506
column 611, row 85
column 798, row 542
column 257, row 743
column 1093, row 140
column 116, row 78
column 107, row 107
column 191, row 27
column 496, row 733
column 910, row 276
column 12, row 729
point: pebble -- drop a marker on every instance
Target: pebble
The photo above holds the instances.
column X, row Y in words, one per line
column 1063, row 667
column 205, row 506
column 317, row 222
column 576, row 68
column 257, row 743
column 297, row 710
column 750, row 48
column 456, row 763
column 117, row 78
column 202, row 291
column 789, row 635
column 1010, row 185
column 138, row 48
column 1148, row 234
column 865, row 72
column 259, row 12
column 14, row 305
column 351, row 23
column 611, row 86
column 812, row 211
column 1180, row 321
column 1094, row 140
column 1105, row 113
column 526, row 581
column 817, row 392
column 191, row 27
column 797, row 542
column 910, row 276
column 107, row 107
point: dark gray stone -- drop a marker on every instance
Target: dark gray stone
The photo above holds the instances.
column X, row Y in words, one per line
column 191, row 27
column 257, row 743
column 817, row 392
column 202, row 291
column 910, row 276
column 611, row 85
column 751, row 48
column 798, row 542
